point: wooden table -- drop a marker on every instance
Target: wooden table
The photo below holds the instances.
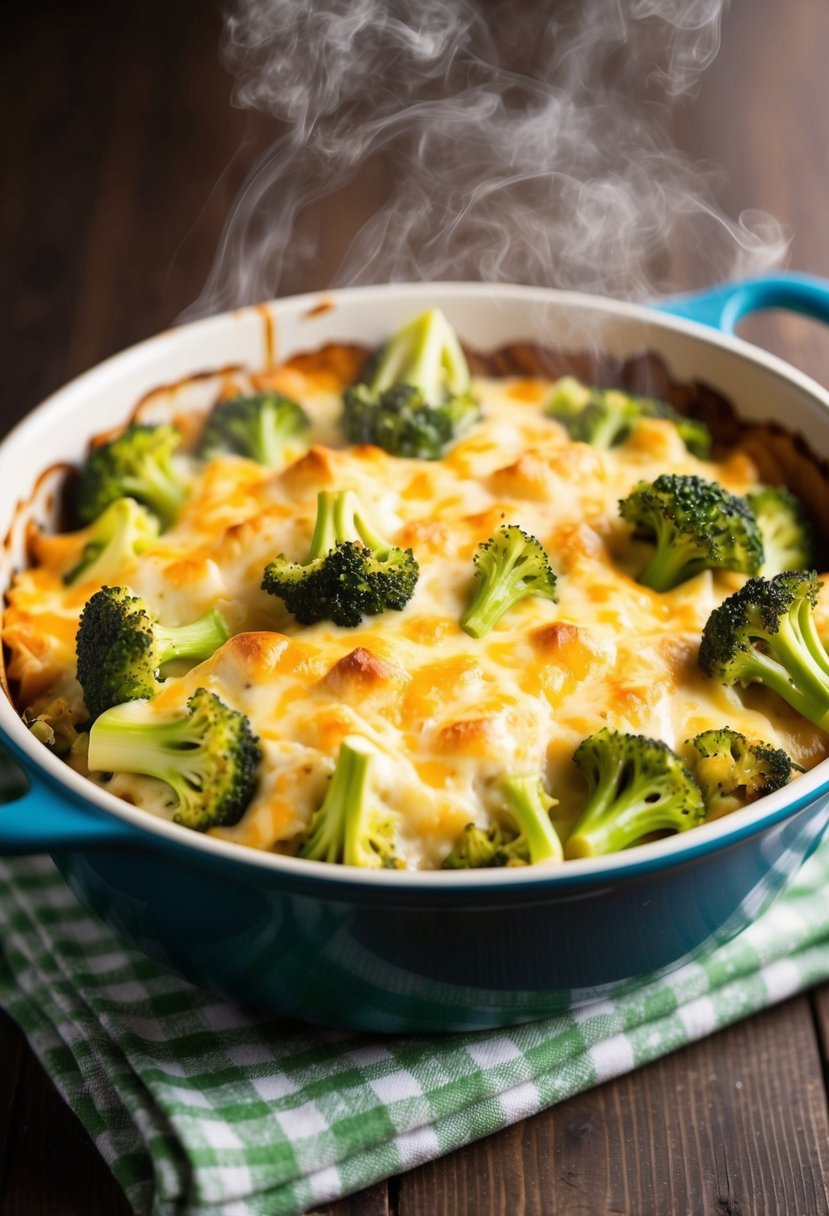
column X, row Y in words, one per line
column 117, row 129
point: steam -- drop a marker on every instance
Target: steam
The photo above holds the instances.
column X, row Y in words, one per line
column 505, row 141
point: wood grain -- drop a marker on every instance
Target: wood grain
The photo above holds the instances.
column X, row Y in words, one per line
column 13, row 1050
column 374, row 1201
column 50, row 1165
column 119, row 165
column 736, row 1124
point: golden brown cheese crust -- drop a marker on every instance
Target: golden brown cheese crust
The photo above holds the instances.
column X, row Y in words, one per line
column 448, row 713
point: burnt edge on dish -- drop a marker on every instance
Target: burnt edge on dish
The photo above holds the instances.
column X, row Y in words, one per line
column 781, row 457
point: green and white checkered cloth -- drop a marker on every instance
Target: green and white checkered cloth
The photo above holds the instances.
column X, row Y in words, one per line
column 203, row 1108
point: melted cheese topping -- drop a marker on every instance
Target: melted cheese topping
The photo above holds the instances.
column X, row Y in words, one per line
column 448, row 714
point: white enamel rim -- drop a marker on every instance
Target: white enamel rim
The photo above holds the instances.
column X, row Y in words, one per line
column 669, row 852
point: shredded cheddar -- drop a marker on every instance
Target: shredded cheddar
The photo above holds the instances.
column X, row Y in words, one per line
column 448, row 711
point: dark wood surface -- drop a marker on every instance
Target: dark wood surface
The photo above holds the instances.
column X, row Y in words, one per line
column 117, row 141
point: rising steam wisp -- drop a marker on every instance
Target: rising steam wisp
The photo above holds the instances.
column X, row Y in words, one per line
column 506, row 142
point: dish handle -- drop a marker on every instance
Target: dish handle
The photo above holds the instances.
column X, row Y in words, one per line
column 36, row 817
column 723, row 307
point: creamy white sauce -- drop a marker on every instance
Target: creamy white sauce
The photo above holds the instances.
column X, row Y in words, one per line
column 458, row 712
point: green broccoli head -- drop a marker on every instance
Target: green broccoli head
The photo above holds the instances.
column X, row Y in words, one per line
column 478, row 849
column 788, row 538
column 351, row 826
column 416, row 401
column 121, row 648
column 510, row 566
column 526, row 808
column 257, row 426
column 605, row 418
column 732, row 770
column 604, row 422
column 351, row 571
column 523, row 835
column 125, row 529
column 208, row 756
column 568, row 397
column 635, row 786
column 137, row 464
column 765, row 633
column 694, row 525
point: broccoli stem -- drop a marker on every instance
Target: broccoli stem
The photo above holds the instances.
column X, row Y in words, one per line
column 795, row 667
column 358, row 821
column 325, row 535
column 427, row 355
column 529, row 805
column 159, row 489
column 351, row 520
column 609, row 431
column 123, row 741
column 807, row 629
column 340, row 518
column 197, row 640
column 335, row 829
column 671, row 564
column 268, row 437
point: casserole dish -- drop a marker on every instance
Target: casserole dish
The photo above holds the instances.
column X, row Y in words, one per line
column 410, row 951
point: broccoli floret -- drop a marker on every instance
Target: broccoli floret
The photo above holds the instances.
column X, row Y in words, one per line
column 416, row 401
column 526, row 837
column 258, row 426
column 788, row 539
column 350, row 572
column 636, row 786
column 510, row 566
column 765, row 633
column 124, row 530
column 351, row 826
column 732, row 770
column 121, row 648
column 477, row 849
column 137, row 464
column 605, row 418
column 602, row 418
column 568, row 398
column 695, row 525
column 208, row 756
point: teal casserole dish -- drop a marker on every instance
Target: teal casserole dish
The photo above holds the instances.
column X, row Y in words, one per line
column 407, row 950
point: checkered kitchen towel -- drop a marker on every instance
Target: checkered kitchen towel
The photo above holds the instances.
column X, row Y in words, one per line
column 203, row 1108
